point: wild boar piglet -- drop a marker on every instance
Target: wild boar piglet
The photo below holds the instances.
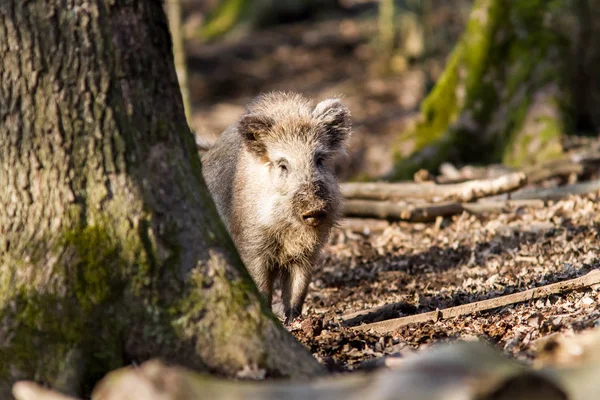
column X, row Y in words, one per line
column 271, row 175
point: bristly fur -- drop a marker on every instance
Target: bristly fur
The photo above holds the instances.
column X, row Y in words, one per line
column 270, row 174
column 203, row 145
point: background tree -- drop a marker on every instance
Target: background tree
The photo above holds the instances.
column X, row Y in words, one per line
column 111, row 250
column 173, row 10
column 254, row 13
column 520, row 77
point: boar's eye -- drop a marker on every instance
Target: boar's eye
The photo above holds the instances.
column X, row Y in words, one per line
column 319, row 160
column 282, row 165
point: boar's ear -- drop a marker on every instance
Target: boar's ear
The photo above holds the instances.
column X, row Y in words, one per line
column 253, row 127
column 335, row 117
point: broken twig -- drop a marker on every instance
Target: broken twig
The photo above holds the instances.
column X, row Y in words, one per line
column 463, row 192
column 554, row 194
column 390, row 325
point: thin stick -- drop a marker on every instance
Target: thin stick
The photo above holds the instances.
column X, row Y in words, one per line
column 390, row 325
column 462, row 192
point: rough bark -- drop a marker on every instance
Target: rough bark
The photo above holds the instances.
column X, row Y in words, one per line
column 111, row 249
column 507, row 94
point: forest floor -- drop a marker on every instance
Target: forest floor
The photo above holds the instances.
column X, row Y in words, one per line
column 465, row 259
column 422, row 266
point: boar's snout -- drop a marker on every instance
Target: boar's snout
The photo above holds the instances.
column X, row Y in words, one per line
column 314, row 217
column 311, row 204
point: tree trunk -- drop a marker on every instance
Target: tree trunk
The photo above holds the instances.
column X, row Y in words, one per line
column 507, row 93
column 111, row 249
column 173, row 8
column 387, row 30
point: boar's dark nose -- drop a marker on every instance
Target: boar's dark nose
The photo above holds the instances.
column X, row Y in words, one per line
column 314, row 217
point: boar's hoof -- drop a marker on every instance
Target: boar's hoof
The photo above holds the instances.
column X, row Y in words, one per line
column 291, row 316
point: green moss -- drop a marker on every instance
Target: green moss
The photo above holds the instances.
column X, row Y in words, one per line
column 541, row 145
column 479, row 40
column 47, row 329
column 226, row 311
column 96, row 263
column 504, row 150
column 477, row 110
column 457, row 88
column 440, row 107
column 227, row 14
column 75, row 317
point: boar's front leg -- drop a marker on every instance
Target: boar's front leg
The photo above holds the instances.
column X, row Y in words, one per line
column 294, row 286
column 264, row 277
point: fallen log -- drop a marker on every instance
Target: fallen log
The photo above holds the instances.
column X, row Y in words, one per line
column 450, row 174
column 390, row 325
column 541, row 173
column 572, row 164
column 27, row 390
column 485, row 206
column 425, row 212
column 364, row 224
column 551, row 194
column 460, row 192
column 465, row 370
column 399, row 211
column 459, row 370
column 588, row 157
column 429, row 212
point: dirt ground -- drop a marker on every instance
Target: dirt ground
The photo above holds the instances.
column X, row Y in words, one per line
column 421, row 266
column 425, row 267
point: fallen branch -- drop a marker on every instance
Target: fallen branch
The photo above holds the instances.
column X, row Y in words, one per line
column 589, row 157
column 465, row 370
column 364, row 224
column 402, row 211
column 462, row 192
column 387, row 326
column 450, row 174
column 534, row 197
column 488, row 207
column 28, row 390
column 540, row 173
column 554, row 194
column 429, row 212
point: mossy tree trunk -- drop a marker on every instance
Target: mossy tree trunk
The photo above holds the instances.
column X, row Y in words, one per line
column 507, row 92
column 111, row 249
